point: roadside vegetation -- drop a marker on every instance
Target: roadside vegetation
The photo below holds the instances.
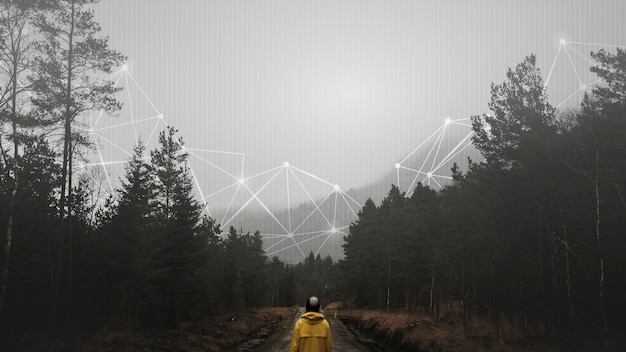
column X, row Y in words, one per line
column 418, row 332
column 528, row 240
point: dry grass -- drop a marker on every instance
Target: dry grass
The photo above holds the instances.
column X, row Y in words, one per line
column 420, row 332
column 218, row 333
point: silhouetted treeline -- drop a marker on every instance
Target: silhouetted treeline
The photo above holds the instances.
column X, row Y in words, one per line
column 146, row 257
column 149, row 259
column 535, row 232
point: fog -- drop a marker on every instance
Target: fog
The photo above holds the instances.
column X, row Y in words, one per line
column 340, row 90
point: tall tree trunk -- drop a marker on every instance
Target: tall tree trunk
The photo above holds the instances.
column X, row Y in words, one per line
column 568, row 271
column 596, row 184
column 540, row 273
column 463, row 293
column 432, row 288
column 494, row 304
column 520, row 271
column 137, row 302
column 69, row 237
column 618, row 189
column 473, row 278
column 379, row 278
column 388, row 281
column 13, row 201
column 568, row 275
column 65, row 171
column 407, row 297
column 554, row 265
column 8, row 244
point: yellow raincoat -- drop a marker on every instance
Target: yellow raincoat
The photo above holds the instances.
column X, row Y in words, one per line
column 311, row 334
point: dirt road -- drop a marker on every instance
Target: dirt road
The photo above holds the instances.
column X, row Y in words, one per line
column 343, row 339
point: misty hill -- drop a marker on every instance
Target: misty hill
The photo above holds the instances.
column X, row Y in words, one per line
column 320, row 226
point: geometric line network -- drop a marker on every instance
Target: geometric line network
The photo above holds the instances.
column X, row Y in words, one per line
column 575, row 72
column 431, row 161
column 313, row 214
column 229, row 197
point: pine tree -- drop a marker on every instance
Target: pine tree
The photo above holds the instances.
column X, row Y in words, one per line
column 595, row 156
column 422, row 253
column 129, row 230
column 16, row 50
column 175, row 248
column 28, row 295
column 66, row 84
column 522, row 117
column 210, row 275
column 245, row 265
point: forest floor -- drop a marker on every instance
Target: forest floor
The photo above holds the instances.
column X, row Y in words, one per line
column 267, row 327
column 221, row 333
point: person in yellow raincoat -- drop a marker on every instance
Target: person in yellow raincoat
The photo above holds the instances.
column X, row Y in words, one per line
column 312, row 331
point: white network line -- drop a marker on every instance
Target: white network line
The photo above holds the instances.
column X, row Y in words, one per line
column 583, row 87
column 293, row 178
column 289, row 231
column 430, row 175
column 97, row 133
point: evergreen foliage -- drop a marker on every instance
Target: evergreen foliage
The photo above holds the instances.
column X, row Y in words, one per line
column 533, row 233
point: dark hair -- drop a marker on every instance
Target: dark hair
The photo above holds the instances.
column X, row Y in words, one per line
column 312, row 304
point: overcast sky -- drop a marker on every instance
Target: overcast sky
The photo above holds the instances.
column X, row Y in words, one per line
column 342, row 89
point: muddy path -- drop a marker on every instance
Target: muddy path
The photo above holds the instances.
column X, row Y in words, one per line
column 343, row 339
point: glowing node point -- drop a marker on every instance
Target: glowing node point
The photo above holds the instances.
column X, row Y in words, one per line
column 397, row 165
column 582, row 86
column 333, row 230
column 562, row 41
column 160, row 116
column 448, row 121
column 124, row 68
column 429, row 174
column 242, row 181
column 290, row 235
column 286, row 164
column 337, row 187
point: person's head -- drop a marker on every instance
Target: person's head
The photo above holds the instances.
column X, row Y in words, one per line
column 312, row 304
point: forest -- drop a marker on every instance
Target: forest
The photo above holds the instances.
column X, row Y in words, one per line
column 533, row 234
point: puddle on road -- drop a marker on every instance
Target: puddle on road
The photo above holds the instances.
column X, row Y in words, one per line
column 256, row 341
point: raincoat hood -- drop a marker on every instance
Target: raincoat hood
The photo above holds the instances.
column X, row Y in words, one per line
column 312, row 317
